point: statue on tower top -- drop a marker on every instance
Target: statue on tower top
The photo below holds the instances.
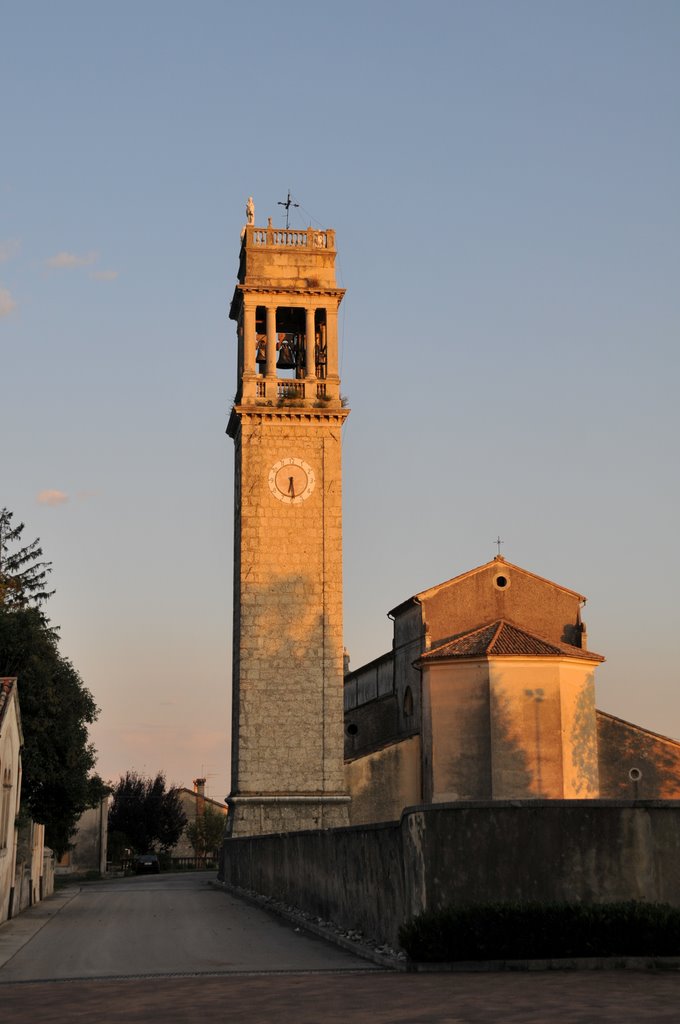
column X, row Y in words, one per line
column 250, row 211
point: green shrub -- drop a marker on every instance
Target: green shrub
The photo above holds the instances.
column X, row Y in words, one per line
column 527, row 931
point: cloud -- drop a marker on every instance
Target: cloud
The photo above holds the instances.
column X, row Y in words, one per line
column 68, row 260
column 52, row 498
column 8, row 248
column 7, row 303
column 104, row 275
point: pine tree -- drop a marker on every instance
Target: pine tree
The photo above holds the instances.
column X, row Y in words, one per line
column 23, row 573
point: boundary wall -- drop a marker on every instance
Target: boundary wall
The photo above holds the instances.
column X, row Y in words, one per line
column 370, row 878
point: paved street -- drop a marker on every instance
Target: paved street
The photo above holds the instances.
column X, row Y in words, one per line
column 170, row 950
column 164, row 924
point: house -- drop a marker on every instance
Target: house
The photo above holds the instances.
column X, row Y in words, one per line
column 11, row 741
column 194, row 802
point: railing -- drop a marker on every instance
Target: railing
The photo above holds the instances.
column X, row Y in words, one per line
column 168, row 863
column 308, row 239
column 282, row 390
column 290, row 389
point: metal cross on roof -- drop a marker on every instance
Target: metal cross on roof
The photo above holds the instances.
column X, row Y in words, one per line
column 288, row 203
column 498, row 541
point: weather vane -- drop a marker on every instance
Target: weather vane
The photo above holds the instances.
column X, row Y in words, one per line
column 288, row 203
column 498, row 541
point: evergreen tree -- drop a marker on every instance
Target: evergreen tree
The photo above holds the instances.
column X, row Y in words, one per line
column 23, row 574
column 56, row 708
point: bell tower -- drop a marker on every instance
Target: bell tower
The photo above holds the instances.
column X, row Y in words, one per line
column 287, row 718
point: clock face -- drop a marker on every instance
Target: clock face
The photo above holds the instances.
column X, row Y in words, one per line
column 291, row 481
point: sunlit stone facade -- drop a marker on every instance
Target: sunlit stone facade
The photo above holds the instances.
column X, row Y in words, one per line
column 286, row 423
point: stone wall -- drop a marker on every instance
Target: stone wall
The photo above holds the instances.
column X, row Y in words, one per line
column 352, row 876
column 288, row 652
column 372, row 878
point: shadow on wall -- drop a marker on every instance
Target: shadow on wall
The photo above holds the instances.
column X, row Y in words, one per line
column 583, row 740
column 636, row 765
column 497, row 765
column 510, row 766
column 280, row 689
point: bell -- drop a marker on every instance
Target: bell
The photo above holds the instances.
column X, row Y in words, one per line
column 286, row 360
column 261, row 342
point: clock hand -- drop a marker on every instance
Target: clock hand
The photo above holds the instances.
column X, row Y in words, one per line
column 291, row 486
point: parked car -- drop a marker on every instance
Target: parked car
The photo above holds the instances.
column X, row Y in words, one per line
column 147, row 864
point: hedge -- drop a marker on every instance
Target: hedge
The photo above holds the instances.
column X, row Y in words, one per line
column 529, row 931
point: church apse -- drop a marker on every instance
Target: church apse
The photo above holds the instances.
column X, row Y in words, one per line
column 507, row 704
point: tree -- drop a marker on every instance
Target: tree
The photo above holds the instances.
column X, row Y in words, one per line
column 206, row 832
column 146, row 814
column 23, row 576
column 56, row 708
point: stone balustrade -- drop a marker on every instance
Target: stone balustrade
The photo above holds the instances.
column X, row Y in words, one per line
column 278, row 389
column 309, row 238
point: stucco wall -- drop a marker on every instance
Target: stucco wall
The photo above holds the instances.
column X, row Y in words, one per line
column 384, row 782
column 10, row 786
column 372, row 878
column 624, row 747
column 456, row 732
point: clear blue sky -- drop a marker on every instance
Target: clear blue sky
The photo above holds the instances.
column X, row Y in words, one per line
column 504, row 180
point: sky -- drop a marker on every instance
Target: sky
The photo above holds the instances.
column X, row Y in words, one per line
column 504, row 181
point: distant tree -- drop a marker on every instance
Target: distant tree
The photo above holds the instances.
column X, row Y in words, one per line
column 145, row 814
column 206, row 832
column 23, row 574
column 56, row 709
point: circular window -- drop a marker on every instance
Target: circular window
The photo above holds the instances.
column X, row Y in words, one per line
column 501, row 581
column 634, row 774
column 352, row 729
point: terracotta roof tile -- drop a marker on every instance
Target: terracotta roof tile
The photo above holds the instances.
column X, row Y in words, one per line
column 504, row 639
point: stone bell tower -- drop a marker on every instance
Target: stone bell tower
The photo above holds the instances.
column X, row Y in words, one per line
column 286, row 423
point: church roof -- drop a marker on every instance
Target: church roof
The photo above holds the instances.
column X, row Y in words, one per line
column 497, row 562
column 503, row 639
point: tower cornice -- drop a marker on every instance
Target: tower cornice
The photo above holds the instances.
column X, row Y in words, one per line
column 301, row 293
column 299, row 415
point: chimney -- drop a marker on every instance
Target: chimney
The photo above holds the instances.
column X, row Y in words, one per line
column 199, row 787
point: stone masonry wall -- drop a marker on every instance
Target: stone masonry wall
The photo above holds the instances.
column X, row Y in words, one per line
column 288, row 664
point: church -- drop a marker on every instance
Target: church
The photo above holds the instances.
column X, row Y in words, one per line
column 489, row 693
column 471, row 759
column 489, row 690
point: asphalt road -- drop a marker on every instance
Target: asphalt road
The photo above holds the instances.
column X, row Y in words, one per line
column 172, row 950
column 160, row 925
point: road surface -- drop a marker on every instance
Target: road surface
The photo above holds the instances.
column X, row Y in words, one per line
column 172, row 950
